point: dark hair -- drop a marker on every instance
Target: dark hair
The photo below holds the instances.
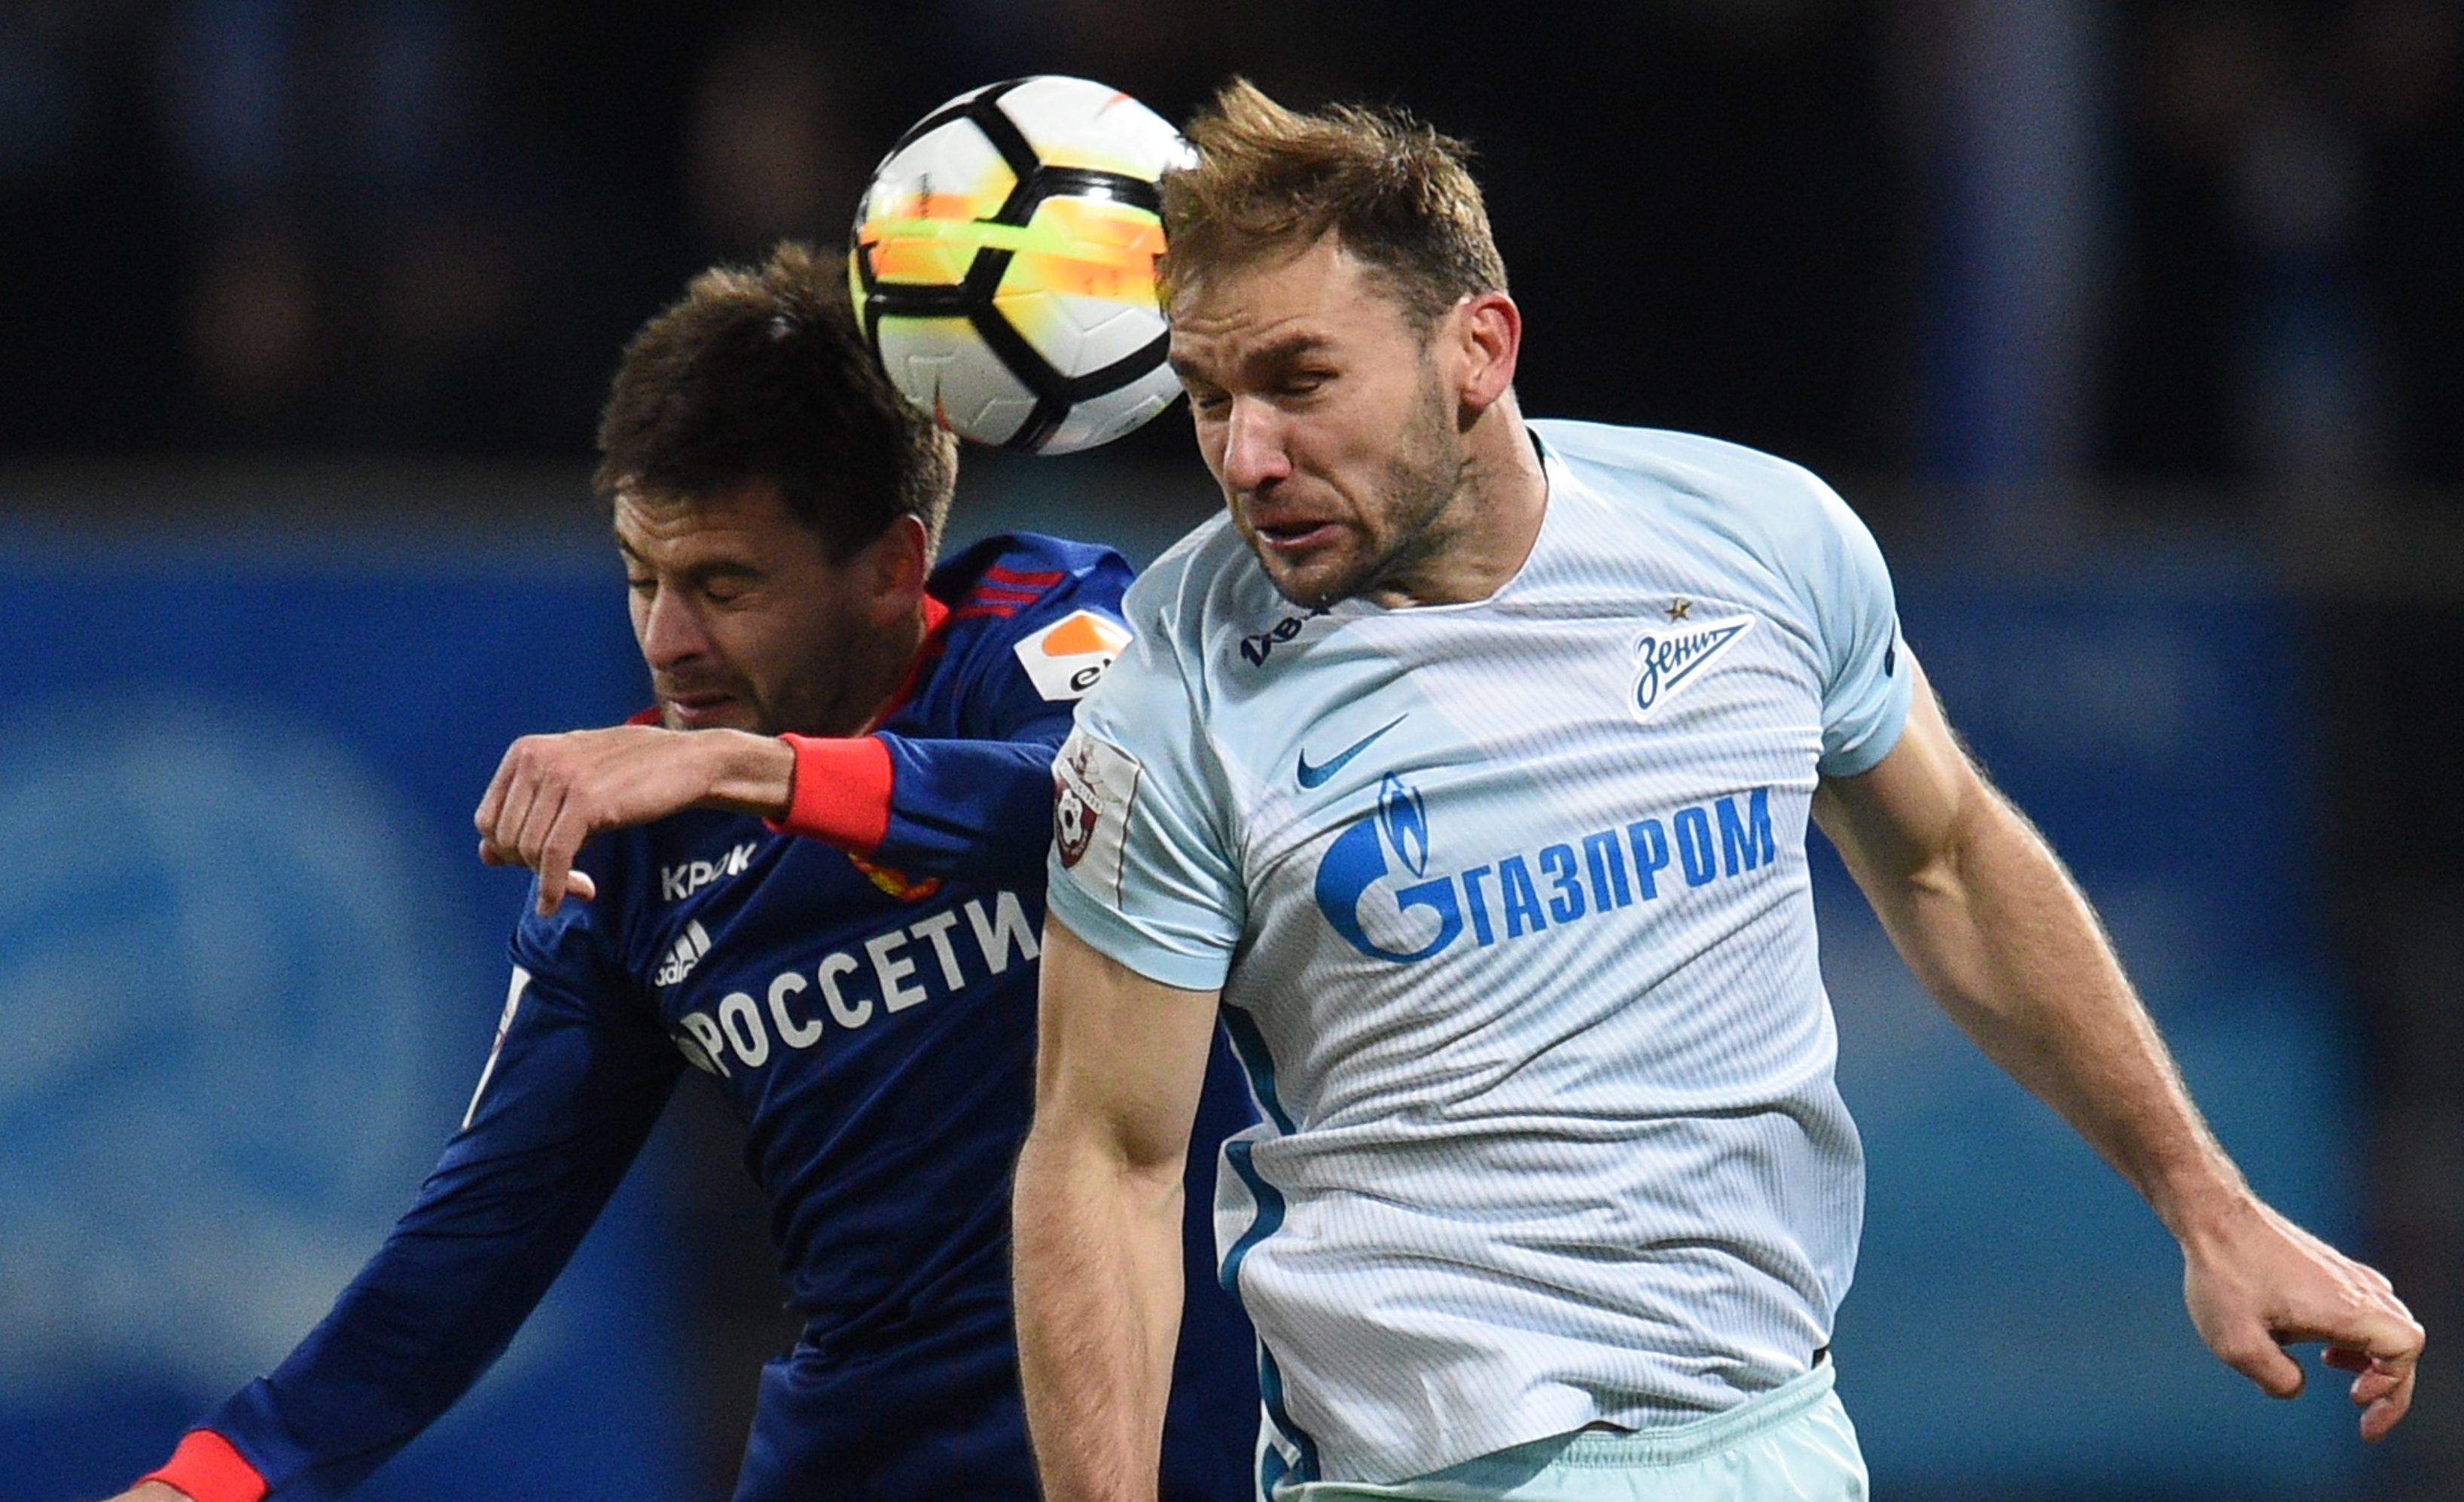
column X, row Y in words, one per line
column 1391, row 190
column 763, row 374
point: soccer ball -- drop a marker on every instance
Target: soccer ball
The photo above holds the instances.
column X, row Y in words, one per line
column 1003, row 264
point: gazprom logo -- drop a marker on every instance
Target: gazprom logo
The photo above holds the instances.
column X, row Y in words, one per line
column 1665, row 660
column 1405, row 819
column 1524, row 893
column 1357, row 861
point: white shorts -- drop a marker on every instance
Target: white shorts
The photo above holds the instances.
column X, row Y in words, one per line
column 1793, row 1444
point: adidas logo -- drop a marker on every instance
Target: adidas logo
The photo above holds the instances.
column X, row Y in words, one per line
column 684, row 955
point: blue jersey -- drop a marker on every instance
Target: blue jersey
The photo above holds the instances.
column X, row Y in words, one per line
column 871, row 1019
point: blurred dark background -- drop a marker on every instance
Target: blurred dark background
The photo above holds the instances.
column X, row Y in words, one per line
column 2211, row 242
column 2089, row 308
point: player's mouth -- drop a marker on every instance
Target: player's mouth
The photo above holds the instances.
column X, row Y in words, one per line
column 702, row 711
column 1295, row 536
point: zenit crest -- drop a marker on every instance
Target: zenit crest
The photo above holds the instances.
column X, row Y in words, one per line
column 1668, row 658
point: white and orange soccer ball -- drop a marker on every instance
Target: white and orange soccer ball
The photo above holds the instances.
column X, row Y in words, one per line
column 1003, row 264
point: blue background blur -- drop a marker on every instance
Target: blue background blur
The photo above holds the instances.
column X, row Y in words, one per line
column 2134, row 327
column 2017, row 1327
column 248, row 968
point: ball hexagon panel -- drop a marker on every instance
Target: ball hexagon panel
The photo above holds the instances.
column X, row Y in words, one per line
column 1089, row 246
column 1092, row 302
column 1099, row 420
column 1078, row 336
column 916, row 212
column 1073, row 122
column 943, row 366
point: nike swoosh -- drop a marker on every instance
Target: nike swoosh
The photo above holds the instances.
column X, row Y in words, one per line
column 1315, row 776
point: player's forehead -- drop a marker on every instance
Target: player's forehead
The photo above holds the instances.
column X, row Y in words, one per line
column 746, row 524
column 1319, row 298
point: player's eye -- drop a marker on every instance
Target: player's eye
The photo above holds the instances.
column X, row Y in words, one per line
column 642, row 585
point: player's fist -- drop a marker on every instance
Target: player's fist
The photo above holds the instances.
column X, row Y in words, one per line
column 553, row 792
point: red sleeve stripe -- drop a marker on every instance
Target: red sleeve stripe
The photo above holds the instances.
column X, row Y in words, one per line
column 1038, row 580
column 994, row 594
column 840, row 791
column 208, row 1469
column 969, row 612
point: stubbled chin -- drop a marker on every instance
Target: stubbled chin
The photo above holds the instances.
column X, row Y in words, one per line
column 1313, row 589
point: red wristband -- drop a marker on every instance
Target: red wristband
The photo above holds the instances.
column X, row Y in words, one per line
column 840, row 794
column 208, row 1469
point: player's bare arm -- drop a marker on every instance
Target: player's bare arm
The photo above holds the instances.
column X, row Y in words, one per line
column 153, row 1492
column 553, row 792
column 1096, row 1220
column 1990, row 921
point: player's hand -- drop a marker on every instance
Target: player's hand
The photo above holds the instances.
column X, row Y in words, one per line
column 553, row 792
column 153, row 1492
column 2257, row 1283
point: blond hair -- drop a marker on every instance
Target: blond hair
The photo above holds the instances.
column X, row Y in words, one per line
column 1270, row 180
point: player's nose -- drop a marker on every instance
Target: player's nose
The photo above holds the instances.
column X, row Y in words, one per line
column 670, row 629
column 1253, row 444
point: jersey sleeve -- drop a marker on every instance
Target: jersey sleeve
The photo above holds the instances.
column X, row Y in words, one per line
column 978, row 804
column 569, row 1093
column 978, row 809
column 1867, row 674
column 1142, row 867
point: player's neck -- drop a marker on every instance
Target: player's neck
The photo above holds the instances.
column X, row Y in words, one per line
column 892, row 669
column 1492, row 524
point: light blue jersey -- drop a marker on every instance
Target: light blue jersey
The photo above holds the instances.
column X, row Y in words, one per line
column 1508, row 901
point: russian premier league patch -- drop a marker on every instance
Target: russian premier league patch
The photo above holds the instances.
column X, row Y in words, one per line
column 1093, row 785
column 1069, row 657
column 1667, row 658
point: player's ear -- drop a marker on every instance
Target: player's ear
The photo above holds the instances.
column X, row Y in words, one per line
column 1487, row 329
column 895, row 567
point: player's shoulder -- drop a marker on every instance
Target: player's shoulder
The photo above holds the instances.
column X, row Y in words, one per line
column 1024, row 602
column 1012, row 585
column 1011, row 575
column 1777, row 508
column 1208, row 576
column 1661, row 463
